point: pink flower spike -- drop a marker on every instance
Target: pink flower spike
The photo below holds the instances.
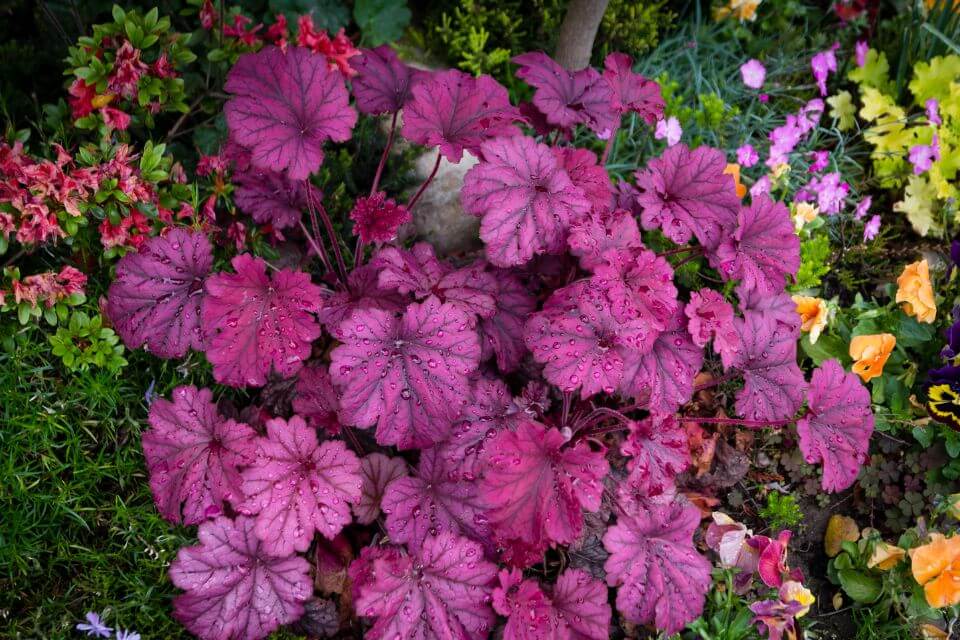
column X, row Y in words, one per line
column 747, row 156
column 823, row 64
column 871, row 229
column 933, row 111
column 669, row 130
column 378, row 218
column 837, row 427
column 860, row 52
column 753, row 73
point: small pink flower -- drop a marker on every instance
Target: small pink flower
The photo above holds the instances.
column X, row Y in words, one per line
column 668, row 129
column 753, row 73
column 764, row 98
column 860, row 52
column 823, row 64
column 871, row 229
column 863, row 207
column 747, row 156
column 115, row 118
column 760, row 187
column 820, row 161
column 933, row 111
column 378, row 218
column 922, row 156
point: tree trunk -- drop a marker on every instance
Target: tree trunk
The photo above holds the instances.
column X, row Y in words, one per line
column 578, row 31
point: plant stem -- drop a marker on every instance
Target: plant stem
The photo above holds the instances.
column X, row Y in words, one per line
column 328, row 225
column 675, row 251
column 317, row 248
column 423, row 187
column 386, row 152
column 753, row 424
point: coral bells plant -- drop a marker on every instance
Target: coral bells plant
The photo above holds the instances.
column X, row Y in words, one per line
column 468, row 420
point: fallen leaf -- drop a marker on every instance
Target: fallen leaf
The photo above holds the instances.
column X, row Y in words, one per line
column 839, row 529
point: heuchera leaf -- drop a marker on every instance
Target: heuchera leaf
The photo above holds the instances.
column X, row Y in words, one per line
column 365, row 293
column 685, row 193
column 639, row 284
column 838, row 424
column 711, row 317
column 406, row 375
column 155, row 298
column 658, row 445
column 193, row 454
column 272, row 198
column 316, row 399
column 582, row 345
column 256, row 322
column 569, row 98
column 297, row 486
column 525, row 199
column 581, row 600
column 581, row 165
column 773, row 384
column 433, row 502
column 779, row 309
column 591, row 237
column 663, row 377
column 632, row 91
column 455, row 112
column 530, row 614
column 535, row 490
column 285, row 105
column 439, row 591
column 235, row 588
column 377, row 471
column 418, row 272
column 661, row 578
column 503, row 331
column 490, row 411
column 383, row 83
column 763, row 250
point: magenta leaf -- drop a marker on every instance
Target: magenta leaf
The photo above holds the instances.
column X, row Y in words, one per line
column 256, row 322
column 581, row 343
column 525, row 199
column 433, row 502
column 383, row 83
column 640, row 286
column 663, row 377
column 298, row 486
column 272, row 198
column 456, row 112
column 285, row 105
column 763, row 250
column 631, row 91
column 418, row 272
column 529, row 612
column 406, row 375
column 591, row 237
column 235, row 588
column 773, row 384
column 377, row 471
column 711, row 317
column 657, row 445
column 569, row 98
column 581, row 601
column 838, row 424
column 661, row 578
column 535, row 489
column 780, row 309
column 193, row 454
column 503, row 331
column 155, row 298
column 316, row 399
column 490, row 411
column 365, row 293
column 581, row 165
column 685, row 193
column 439, row 591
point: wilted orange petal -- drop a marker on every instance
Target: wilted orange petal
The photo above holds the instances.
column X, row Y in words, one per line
column 885, row 556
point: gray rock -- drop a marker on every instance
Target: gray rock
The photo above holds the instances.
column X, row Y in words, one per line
column 438, row 216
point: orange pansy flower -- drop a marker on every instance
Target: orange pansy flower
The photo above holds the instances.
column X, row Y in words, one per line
column 936, row 566
column 813, row 315
column 914, row 289
column 733, row 169
column 870, row 353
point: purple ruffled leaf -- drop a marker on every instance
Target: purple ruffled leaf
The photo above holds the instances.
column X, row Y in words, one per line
column 591, row 237
column 376, row 471
column 503, row 331
column 383, row 83
column 298, row 486
column 365, row 293
column 773, row 384
column 632, row 91
column 581, row 601
column 838, row 424
column 640, row 286
column 156, row 296
column 235, row 588
column 257, row 323
column 660, row 577
column 658, row 445
column 406, row 375
column 193, row 455
column 316, row 399
column 581, row 165
column 285, row 105
column 455, row 112
column 272, row 198
column 525, row 199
